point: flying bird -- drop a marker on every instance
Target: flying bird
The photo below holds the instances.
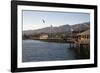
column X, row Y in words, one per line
column 43, row 20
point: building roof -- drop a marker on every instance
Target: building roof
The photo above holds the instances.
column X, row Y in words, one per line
column 87, row 32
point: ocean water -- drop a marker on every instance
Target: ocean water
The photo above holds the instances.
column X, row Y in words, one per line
column 34, row 51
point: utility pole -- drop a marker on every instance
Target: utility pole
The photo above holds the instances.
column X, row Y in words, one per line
column 71, row 29
column 79, row 38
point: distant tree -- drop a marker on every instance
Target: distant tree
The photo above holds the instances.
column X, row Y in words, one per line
column 25, row 37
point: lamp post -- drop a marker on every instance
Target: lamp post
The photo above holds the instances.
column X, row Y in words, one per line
column 79, row 39
column 51, row 31
column 71, row 32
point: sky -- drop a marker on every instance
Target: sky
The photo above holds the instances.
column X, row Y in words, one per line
column 33, row 20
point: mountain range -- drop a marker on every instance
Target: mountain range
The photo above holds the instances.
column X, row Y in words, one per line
column 61, row 29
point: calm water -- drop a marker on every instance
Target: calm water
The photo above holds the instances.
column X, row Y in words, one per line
column 46, row 51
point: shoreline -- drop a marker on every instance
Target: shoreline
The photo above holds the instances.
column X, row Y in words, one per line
column 52, row 40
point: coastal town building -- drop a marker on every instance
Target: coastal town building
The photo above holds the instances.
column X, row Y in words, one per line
column 84, row 37
column 44, row 36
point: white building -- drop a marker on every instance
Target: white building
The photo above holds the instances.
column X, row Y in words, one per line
column 44, row 36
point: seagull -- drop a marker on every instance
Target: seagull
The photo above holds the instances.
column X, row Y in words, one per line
column 43, row 20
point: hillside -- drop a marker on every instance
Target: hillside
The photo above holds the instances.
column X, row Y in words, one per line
column 61, row 29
